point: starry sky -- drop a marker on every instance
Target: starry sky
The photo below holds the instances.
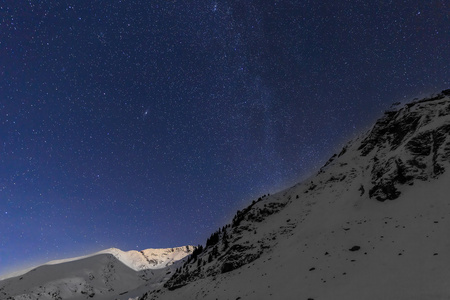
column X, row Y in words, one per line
column 145, row 124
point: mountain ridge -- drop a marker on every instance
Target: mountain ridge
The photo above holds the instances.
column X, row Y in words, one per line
column 119, row 254
column 369, row 183
column 103, row 275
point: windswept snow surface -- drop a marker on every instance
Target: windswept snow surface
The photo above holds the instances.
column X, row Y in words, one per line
column 404, row 249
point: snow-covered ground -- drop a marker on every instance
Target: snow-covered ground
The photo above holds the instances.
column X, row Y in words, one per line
column 404, row 251
column 374, row 223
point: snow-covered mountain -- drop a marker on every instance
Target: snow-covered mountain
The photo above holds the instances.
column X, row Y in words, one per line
column 373, row 223
column 108, row 274
column 149, row 258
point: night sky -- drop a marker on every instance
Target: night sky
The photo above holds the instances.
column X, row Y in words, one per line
column 147, row 124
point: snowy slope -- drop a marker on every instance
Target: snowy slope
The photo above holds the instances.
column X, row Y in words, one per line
column 136, row 260
column 374, row 223
column 108, row 274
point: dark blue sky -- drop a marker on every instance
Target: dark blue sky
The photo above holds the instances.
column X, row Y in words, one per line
column 138, row 124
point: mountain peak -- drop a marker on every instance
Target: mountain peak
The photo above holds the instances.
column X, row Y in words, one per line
column 102, row 275
column 408, row 144
column 136, row 260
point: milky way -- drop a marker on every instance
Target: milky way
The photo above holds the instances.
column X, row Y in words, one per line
column 138, row 124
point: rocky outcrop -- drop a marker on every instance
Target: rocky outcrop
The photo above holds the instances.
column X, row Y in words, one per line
column 234, row 245
column 410, row 144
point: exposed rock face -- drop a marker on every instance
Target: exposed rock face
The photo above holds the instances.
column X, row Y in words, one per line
column 237, row 244
column 407, row 145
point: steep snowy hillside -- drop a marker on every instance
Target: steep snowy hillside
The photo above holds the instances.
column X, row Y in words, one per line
column 108, row 274
column 374, row 223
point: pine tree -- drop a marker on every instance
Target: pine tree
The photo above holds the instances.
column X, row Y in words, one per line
column 225, row 240
column 215, row 251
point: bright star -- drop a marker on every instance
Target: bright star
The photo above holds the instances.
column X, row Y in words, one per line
column 144, row 115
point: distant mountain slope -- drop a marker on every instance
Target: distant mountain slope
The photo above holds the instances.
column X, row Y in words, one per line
column 149, row 258
column 374, row 223
column 107, row 274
